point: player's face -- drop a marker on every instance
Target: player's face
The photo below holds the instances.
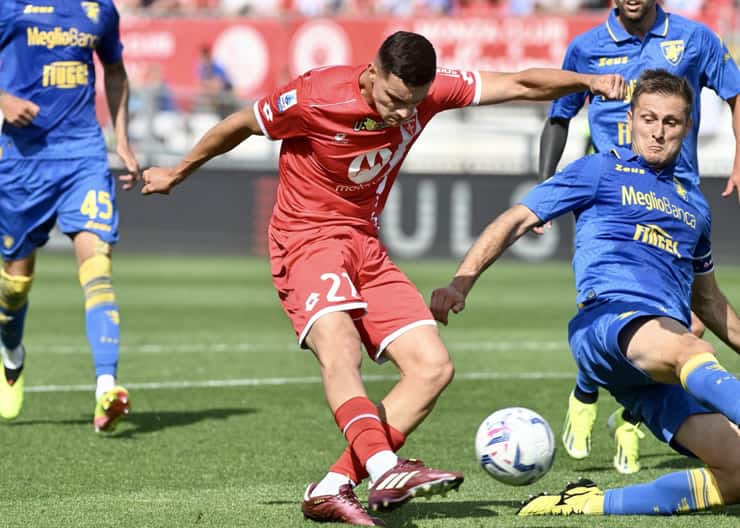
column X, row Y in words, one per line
column 634, row 10
column 395, row 101
column 659, row 125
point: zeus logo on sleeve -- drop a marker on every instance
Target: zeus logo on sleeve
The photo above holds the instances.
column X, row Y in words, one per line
column 651, row 201
column 38, row 10
column 653, row 235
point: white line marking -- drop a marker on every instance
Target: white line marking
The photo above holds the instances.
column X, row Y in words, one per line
column 198, row 348
column 305, row 380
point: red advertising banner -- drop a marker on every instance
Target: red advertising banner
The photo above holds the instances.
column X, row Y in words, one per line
column 260, row 54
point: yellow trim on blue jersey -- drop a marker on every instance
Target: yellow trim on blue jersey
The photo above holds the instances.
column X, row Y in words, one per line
column 665, row 26
column 611, row 33
column 659, row 11
column 695, row 362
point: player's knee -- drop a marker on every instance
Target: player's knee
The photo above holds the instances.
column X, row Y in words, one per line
column 14, row 291
column 691, row 346
column 435, row 372
column 95, row 276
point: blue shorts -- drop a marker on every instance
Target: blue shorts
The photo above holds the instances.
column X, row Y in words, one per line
column 78, row 194
column 594, row 341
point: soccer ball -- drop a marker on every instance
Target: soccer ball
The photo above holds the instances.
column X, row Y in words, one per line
column 515, row 445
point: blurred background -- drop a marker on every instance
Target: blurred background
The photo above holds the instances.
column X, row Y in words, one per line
column 192, row 62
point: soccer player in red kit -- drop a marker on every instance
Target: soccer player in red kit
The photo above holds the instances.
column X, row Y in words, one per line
column 345, row 132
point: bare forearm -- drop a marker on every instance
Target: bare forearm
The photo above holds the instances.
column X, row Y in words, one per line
column 218, row 140
column 117, row 94
column 541, row 84
column 499, row 235
column 718, row 315
column 736, row 131
column 552, row 144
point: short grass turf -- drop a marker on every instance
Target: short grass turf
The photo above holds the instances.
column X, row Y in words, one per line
column 229, row 422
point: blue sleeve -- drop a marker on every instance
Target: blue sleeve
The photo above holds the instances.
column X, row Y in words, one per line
column 702, row 257
column 568, row 106
column 110, row 49
column 571, row 189
column 7, row 15
column 719, row 71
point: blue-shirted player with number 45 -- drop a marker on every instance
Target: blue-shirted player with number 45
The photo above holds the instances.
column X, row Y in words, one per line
column 54, row 169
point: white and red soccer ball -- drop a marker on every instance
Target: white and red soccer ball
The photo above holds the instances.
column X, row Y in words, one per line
column 515, row 445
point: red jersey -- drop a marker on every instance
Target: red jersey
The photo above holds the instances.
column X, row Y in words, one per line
column 338, row 159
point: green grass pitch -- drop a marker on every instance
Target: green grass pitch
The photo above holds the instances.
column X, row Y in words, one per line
column 229, row 423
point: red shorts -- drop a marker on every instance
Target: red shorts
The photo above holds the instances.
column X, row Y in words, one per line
column 335, row 269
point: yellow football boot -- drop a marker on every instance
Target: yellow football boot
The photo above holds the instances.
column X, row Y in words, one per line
column 579, row 422
column 582, row 497
column 627, row 437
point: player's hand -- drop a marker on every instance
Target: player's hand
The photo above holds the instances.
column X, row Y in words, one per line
column 611, row 86
column 540, row 229
column 733, row 185
column 16, row 111
column 444, row 300
column 159, row 180
column 133, row 172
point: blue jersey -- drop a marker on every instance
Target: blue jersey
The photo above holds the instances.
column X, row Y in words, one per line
column 640, row 234
column 681, row 46
column 46, row 56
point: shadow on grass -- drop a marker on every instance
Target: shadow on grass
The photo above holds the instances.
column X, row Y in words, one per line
column 667, row 461
column 425, row 510
column 150, row 421
column 407, row 516
column 142, row 422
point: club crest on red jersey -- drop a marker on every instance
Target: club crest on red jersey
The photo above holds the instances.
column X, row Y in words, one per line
column 369, row 124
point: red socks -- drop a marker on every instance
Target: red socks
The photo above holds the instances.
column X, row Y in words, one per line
column 359, row 420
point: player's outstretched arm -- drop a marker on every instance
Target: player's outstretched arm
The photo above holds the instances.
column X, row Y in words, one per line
column 218, row 140
column 712, row 307
column 16, row 111
column 541, row 84
column 733, row 182
column 117, row 94
column 552, row 144
column 506, row 229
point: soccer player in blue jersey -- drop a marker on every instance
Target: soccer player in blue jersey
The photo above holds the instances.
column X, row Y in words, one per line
column 642, row 261
column 54, row 168
column 638, row 35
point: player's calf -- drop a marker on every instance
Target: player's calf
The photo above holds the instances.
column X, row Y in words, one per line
column 14, row 290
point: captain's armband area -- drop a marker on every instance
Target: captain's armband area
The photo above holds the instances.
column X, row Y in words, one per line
column 703, row 265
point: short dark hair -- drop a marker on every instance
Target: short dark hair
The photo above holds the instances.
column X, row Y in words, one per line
column 665, row 83
column 408, row 56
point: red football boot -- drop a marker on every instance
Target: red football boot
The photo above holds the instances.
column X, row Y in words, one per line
column 408, row 479
column 343, row 507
